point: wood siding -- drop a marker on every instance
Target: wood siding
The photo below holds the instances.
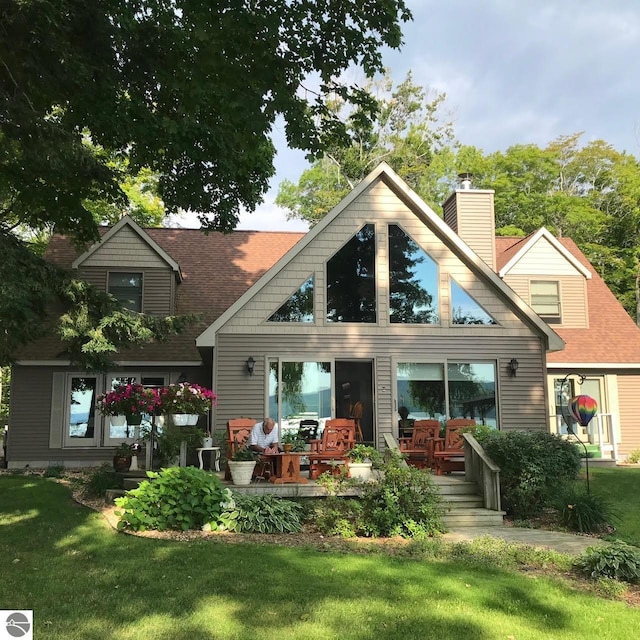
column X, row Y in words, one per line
column 573, row 296
column 628, row 394
column 126, row 247
column 522, row 402
column 470, row 213
column 381, row 207
column 36, row 430
column 158, row 285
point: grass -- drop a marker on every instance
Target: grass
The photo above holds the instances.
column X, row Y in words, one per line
column 620, row 486
column 85, row 581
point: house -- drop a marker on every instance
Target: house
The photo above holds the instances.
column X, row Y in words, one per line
column 382, row 303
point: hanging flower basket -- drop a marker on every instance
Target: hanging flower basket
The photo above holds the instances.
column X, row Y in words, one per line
column 128, row 400
column 118, row 421
column 134, row 419
column 186, row 398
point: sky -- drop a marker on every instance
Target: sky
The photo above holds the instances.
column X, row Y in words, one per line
column 514, row 72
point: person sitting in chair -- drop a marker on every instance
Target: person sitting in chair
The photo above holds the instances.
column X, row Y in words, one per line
column 264, row 437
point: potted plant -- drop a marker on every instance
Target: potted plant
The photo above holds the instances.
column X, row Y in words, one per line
column 242, row 464
column 128, row 400
column 291, row 441
column 122, row 456
column 362, row 459
column 185, row 402
column 207, row 440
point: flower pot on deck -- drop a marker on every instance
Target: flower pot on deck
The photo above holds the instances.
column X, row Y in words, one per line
column 241, row 471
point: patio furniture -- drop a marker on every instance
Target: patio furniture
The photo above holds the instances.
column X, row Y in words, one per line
column 355, row 412
column 420, row 446
column 215, row 455
column 338, row 438
column 287, row 467
column 238, row 431
column 308, row 430
column 449, row 454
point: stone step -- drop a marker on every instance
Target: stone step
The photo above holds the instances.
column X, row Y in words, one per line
column 474, row 517
column 463, row 501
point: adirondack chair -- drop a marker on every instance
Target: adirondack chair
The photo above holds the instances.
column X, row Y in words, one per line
column 338, row 438
column 238, row 431
column 419, row 448
column 449, row 453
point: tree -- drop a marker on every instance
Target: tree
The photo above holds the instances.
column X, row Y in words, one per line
column 407, row 133
column 188, row 91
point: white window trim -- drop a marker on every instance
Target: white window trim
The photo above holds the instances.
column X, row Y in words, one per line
column 74, row 443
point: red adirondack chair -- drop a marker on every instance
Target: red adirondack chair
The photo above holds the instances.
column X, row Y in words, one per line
column 419, row 448
column 449, row 453
column 338, row 438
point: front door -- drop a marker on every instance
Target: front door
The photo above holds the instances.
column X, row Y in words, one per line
column 354, row 384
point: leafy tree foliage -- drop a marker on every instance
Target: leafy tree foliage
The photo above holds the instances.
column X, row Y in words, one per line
column 408, row 133
column 97, row 95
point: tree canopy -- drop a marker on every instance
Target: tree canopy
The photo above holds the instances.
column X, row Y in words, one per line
column 182, row 93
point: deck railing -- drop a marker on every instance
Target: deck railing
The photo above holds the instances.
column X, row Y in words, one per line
column 479, row 468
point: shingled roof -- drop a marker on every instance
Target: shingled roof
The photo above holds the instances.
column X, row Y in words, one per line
column 612, row 336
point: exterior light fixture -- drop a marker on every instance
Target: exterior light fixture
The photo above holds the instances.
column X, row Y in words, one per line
column 251, row 363
column 513, row 367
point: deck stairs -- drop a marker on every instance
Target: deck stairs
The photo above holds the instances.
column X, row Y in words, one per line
column 462, row 500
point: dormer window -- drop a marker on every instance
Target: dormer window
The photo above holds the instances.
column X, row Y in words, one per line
column 545, row 300
column 126, row 288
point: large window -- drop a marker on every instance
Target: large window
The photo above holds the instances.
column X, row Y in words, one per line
column 413, row 281
column 465, row 310
column 80, row 420
column 126, row 288
column 545, row 299
column 299, row 390
column 452, row 390
column 351, row 279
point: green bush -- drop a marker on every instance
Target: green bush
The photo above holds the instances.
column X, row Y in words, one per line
column 404, row 502
column 335, row 516
column 259, row 514
column 616, row 560
column 634, row 456
column 175, row 498
column 100, row 480
column 54, row 471
column 534, row 466
column 583, row 512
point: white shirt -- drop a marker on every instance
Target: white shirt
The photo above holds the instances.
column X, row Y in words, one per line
column 262, row 439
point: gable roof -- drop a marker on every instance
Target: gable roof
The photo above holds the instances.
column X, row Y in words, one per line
column 384, row 172
column 519, row 250
column 141, row 233
column 611, row 338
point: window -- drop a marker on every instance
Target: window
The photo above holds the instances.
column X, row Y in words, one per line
column 452, row 390
column 126, row 288
column 299, row 390
column 299, row 307
column 545, row 299
column 351, row 279
column 80, row 421
column 413, row 281
column 465, row 310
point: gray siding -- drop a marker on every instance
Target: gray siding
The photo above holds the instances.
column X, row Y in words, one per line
column 125, row 248
column 573, row 296
column 158, row 285
column 522, row 400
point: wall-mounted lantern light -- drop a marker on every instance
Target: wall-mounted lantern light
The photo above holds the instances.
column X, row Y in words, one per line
column 251, row 363
column 513, row 367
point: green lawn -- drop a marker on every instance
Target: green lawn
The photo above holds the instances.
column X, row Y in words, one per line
column 84, row 581
column 620, row 486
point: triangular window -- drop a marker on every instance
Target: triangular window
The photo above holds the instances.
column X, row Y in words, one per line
column 351, row 279
column 465, row 310
column 413, row 281
column 299, row 307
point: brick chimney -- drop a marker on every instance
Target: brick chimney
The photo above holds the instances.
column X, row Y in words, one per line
column 469, row 212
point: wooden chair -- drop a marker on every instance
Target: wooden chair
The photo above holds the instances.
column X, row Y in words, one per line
column 449, row 453
column 419, row 448
column 355, row 412
column 238, row 431
column 338, row 438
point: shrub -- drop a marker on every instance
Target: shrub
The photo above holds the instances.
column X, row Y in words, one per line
column 335, row 516
column 634, row 456
column 100, row 480
column 583, row 512
column 175, row 498
column 616, row 560
column 259, row 514
column 54, row 471
column 403, row 502
column 534, row 466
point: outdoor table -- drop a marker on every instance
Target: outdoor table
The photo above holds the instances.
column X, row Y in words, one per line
column 287, row 467
column 215, row 453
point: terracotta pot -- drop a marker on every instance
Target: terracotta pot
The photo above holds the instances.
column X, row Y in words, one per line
column 121, row 463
